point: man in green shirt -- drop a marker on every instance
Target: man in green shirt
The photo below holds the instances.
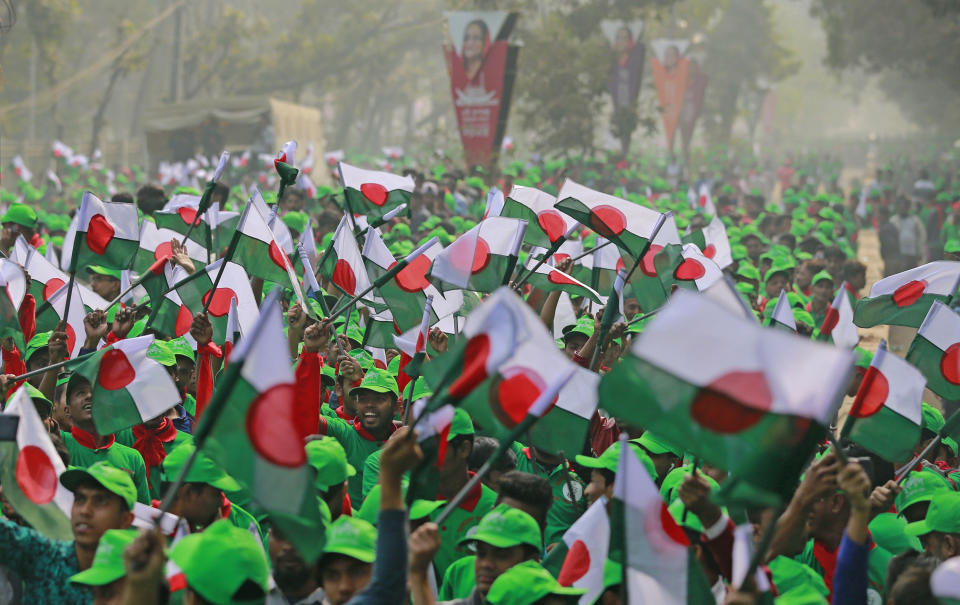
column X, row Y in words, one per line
column 103, row 497
column 104, row 579
column 86, row 446
column 377, row 399
column 568, row 500
column 328, row 457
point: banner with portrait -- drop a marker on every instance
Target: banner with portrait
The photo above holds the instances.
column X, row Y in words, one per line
column 670, row 69
column 693, row 96
column 626, row 64
column 483, row 66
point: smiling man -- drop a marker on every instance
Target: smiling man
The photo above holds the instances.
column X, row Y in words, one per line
column 103, row 497
column 377, row 398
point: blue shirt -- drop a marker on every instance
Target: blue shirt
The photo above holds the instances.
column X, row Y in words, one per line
column 44, row 565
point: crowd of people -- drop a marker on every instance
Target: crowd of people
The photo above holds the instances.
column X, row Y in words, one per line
column 855, row 530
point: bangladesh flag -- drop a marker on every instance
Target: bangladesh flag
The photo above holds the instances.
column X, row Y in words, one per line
column 108, row 234
column 686, row 267
column 903, row 299
column 584, row 551
column 604, row 264
column 567, row 422
column 747, row 399
column 550, row 279
column 658, row 564
column 647, row 283
column 194, row 290
column 380, row 330
column 128, row 387
column 629, row 225
column 214, row 229
column 155, row 244
column 782, row 317
column 342, row 262
column 412, row 345
column 885, row 416
column 14, row 284
column 480, row 258
column 838, row 326
column 373, row 192
column 546, row 225
column 30, row 469
column 704, row 201
column 254, row 434
column 46, row 278
column 168, row 315
column 57, row 313
column 936, row 351
column 713, row 241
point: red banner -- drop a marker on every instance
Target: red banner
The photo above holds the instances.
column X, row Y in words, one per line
column 692, row 102
column 482, row 67
column 670, row 70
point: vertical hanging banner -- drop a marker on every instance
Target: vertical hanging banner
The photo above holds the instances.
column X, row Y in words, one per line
column 483, row 66
column 693, row 96
column 670, row 69
column 627, row 49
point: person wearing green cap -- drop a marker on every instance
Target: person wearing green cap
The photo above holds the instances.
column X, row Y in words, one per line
column 199, row 499
column 327, row 456
column 664, row 456
column 103, row 497
column 222, row 564
column 821, row 296
column 939, row 530
column 567, row 487
column 529, row 583
column 603, row 470
column 86, row 446
column 104, row 579
column 916, row 491
column 19, row 219
column 377, row 399
column 104, row 282
column 346, row 565
column 37, row 355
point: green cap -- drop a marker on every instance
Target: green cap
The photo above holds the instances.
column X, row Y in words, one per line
column 656, row 445
column 108, row 561
column 180, row 347
column 952, row 246
column 20, row 214
column 39, row 341
column 355, row 334
column 98, row 270
column 610, row 459
column 748, row 271
column 773, row 271
column 219, row 560
column 931, row 418
column 296, row 220
column 942, row 516
column 37, row 396
column 583, row 326
column 822, row 275
column 920, row 486
column 889, row 532
column 789, row 575
column 863, row 357
column 378, row 381
column 506, row 526
column 330, row 459
column 419, row 509
column 525, row 584
column 108, row 476
column 203, row 469
column 160, row 352
column 461, row 424
column 420, row 387
column 328, row 376
column 352, row 537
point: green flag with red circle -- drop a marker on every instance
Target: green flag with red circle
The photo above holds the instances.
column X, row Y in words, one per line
column 155, row 244
column 373, row 192
column 194, row 290
column 935, row 351
column 903, row 299
column 108, row 234
column 546, row 225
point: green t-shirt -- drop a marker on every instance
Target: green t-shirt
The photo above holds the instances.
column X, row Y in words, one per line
column 460, row 579
column 876, row 568
column 358, row 444
column 239, row 517
column 117, row 454
column 371, row 472
column 461, row 522
column 190, row 404
column 568, row 501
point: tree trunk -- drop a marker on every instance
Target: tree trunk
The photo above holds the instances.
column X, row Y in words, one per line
column 115, row 76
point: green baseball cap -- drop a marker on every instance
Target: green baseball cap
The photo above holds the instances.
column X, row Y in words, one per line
column 583, row 326
column 525, row 584
column 160, row 352
column 419, row 509
column 20, row 214
column 330, row 459
column 353, row 538
column 108, row 561
column 38, row 397
column 420, row 388
column 748, row 271
column 610, row 459
column 889, row 532
column 98, row 270
column 378, row 381
column 328, row 377
column 789, row 575
column 506, row 526
column 863, row 357
column 39, row 341
column 952, row 246
column 656, row 445
column 821, row 276
column 931, row 418
column 461, row 424
column 920, row 486
column 180, row 347
column 203, row 469
column 109, row 477
column 942, row 516
column 219, row 560
column 296, row 220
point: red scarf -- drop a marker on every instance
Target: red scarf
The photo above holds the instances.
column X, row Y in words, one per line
column 88, row 441
column 150, row 442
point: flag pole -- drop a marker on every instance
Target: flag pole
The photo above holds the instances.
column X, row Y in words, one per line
column 234, row 241
column 52, row 366
column 515, row 246
column 553, row 250
column 591, row 250
column 155, row 268
column 642, row 317
column 207, row 194
column 609, row 312
column 864, row 387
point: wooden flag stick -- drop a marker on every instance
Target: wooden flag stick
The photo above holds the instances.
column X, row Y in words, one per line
column 52, row 366
column 207, row 194
column 591, row 250
column 553, row 250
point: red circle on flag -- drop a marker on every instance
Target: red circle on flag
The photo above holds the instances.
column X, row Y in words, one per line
column 512, row 396
column 909, row 293
column 413, row 277
column 621, row 264
column 220, row 305
column 36, row 476
column 187, row 214
column 375, row 192
column 830, row 321
column 272, row 427
column 115, row 370
column 702, row 200
column 552, row 224
column 607, row 221
column 710, row 251
column 690, row 269
column 714, row 409
column 474, row 371
column 671, row 528
column 344, row 277
column 52, row 285
column 278, row 257
column 481, row 256
column 164, row 250
column 71, row 338
column 99, row 234
column 646, row 265
column 875, row 388
column 559, row 277
column 575, row 565
column 184, row 321
column 950, row 363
